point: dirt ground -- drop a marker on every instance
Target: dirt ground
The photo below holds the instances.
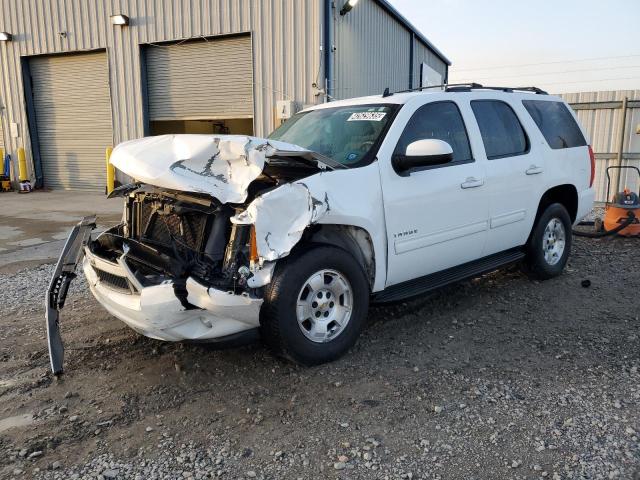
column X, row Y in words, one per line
column 495, row 378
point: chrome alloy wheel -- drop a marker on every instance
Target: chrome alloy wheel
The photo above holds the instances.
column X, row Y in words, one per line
column 553, row 241
column 324, row 306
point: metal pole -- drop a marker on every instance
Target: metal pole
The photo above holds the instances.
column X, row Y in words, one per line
column 328, row 48
column 22, row 165
column 621, row 141
column 111, row 171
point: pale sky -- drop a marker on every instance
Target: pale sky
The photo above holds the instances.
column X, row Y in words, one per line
column 558, row 45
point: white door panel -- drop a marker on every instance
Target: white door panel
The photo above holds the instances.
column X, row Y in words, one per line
column 421, row 241
column 513, row 179
column 432, row 222
column 512, row 200
column 497, row 221
column 436, row 218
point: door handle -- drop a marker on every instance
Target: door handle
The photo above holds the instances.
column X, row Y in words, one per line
column 533, row 170
column 472, row 182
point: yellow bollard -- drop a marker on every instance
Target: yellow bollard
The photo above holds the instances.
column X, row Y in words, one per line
column 1, row 161
column 111, row 172
column 22, row 165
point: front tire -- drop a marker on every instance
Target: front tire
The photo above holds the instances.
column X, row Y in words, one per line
column 316, row 305
column 549, row 246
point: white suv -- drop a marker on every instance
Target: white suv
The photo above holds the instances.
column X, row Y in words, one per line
column 369, row 199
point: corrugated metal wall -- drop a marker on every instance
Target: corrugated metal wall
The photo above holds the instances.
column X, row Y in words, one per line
column 286, row 38
column 373, row 52
column 423, row 54
column 600, row 115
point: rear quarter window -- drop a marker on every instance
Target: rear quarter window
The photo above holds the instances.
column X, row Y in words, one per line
column 556, row 123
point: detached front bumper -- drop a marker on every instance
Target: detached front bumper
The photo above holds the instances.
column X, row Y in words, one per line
column 56, row 294
column 156, row 312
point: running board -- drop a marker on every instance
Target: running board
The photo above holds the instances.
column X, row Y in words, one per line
column 433, row 281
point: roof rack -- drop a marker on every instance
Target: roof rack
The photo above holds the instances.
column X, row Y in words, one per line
column 467, row 87
column 476, row 86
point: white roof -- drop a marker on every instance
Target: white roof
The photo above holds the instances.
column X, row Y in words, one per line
column 404, row 97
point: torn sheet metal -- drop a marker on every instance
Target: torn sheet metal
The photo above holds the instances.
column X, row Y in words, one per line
column 222, row 166
column 280, row 217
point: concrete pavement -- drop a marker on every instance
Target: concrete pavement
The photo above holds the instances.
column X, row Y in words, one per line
column 34, row 226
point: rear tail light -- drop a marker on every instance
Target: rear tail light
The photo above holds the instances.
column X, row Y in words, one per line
column 592, row 157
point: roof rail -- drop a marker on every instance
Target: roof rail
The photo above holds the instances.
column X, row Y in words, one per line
column 467, row 87
column 476, row 86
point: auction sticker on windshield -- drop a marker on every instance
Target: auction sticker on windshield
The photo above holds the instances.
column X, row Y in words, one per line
column 366, row 116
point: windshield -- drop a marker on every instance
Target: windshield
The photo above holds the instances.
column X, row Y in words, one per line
column 344, row 134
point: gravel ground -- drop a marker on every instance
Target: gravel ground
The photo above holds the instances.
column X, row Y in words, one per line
column 495, row 378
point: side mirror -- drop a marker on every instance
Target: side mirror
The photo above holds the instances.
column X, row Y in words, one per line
column 423, row 153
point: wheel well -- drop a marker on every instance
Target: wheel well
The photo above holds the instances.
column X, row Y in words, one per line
column 354, row 240
column 566, row 195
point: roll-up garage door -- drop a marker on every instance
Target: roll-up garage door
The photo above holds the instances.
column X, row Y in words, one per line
column 209, row 80
column 73, row 119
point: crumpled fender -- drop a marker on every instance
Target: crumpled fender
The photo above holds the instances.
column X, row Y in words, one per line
column 350, row 197
column 280, row 217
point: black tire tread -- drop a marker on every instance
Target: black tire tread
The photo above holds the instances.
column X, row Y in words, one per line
column 272, row 309
column 534, row 265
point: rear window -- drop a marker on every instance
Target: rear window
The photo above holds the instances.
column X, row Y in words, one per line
column 502, row 133
column 556, row 124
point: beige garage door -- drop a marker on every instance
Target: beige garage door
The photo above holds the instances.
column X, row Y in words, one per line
column 73, row 118
column 200, row 80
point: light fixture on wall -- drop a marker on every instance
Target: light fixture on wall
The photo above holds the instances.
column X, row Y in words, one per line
column 120, row 19
column 5, row 37
column 346, row 8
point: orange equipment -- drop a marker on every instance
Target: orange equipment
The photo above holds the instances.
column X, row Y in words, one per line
column 623, row 208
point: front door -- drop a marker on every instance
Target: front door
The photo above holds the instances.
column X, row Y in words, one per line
column 436, row 216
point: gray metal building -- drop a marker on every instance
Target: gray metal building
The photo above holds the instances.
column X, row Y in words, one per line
column 612, row 122
column 73, row 81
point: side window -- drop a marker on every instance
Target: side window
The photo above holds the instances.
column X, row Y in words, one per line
column 502, row 133
column 556, row 123
column 439, row 120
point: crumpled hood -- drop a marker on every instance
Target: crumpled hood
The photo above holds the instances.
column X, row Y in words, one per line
column 222, row 166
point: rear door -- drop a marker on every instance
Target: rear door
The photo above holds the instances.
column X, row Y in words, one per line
column 564, row 145
column 515, row 172
column 436, row 216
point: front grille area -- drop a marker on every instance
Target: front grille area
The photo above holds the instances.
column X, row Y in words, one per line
column 184, row 230
column 112, row 281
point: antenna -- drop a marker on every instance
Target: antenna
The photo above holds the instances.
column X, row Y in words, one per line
column 386, row 93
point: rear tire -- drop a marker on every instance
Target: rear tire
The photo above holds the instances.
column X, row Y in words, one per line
column 549, row 245
column 316, row 306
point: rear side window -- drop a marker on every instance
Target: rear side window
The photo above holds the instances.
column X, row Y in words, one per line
column 556, row 124
column 502, row 133
column 439, row 120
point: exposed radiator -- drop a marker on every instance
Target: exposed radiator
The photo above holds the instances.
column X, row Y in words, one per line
column 186, row 230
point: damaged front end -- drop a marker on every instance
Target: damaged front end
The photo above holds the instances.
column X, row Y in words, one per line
column 201, row 232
